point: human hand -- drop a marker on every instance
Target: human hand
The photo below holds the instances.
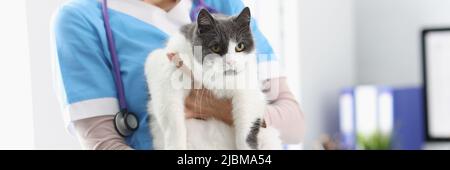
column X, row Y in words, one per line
column 202, row 104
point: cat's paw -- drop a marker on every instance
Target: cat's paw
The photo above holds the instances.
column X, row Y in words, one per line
column 177, row 147
column 177, row 141
column 269, row 139
column 243, row 146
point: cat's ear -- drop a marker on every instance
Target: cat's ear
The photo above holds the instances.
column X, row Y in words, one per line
column 205, row 21
column 244, row 17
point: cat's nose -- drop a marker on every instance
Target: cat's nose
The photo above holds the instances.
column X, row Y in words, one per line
column 230, row 62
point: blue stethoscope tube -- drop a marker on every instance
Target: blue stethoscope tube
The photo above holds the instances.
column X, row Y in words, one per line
column 125, row 122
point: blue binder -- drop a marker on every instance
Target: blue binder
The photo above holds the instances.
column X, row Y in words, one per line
column 408, row 119
column 407, row 131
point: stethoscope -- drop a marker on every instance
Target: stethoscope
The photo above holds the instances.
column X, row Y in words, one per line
column 126, row 122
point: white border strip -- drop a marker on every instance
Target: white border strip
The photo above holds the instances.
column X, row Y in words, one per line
column 93, row 108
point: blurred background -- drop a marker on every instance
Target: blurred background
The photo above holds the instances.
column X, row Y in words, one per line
column 355, row 66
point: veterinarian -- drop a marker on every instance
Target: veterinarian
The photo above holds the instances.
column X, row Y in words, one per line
column 85, row 74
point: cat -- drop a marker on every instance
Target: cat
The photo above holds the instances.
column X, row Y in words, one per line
column 220, row 52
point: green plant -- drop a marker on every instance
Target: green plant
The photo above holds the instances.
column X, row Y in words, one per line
column 375, row 141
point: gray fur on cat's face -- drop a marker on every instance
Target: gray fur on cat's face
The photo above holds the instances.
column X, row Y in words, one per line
column 215, row 33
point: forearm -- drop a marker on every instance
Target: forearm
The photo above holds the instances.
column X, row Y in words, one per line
column 284, row 113
column 98, row 133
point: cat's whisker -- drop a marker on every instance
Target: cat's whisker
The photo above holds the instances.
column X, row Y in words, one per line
column 209, row 97
column 201, row 99
column 196, row 98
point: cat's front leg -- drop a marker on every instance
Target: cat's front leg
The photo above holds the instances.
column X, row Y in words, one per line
column 248, row 110
column 167, row 102
column 172, row 120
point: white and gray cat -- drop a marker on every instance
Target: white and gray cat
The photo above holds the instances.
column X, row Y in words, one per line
column 220, row 51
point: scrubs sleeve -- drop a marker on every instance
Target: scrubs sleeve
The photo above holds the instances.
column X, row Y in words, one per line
column 83, row 70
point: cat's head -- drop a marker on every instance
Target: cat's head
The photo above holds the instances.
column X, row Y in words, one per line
column 226, row 42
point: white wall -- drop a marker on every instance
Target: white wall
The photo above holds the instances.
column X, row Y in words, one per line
column 350, row 42
column 388, row 38
column 16, row 122
column 327, row 62
column 314, row 40
column 49, row 128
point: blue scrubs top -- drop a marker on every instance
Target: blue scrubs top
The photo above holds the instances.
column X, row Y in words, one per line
column 83, row 60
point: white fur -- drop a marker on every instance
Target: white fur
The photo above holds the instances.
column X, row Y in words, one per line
column 169, row 127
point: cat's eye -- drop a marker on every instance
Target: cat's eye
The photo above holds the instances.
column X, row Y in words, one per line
column 216, row 48
column 240, row 47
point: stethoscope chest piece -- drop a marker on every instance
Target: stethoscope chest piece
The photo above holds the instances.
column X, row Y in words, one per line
column 126, row 123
